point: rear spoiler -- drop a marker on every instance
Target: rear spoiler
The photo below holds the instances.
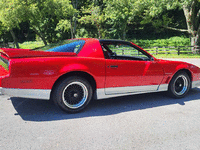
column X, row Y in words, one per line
column 26, row 53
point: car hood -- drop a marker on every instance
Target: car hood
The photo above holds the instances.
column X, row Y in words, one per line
column 171, row 66
column 25, row 53
column 175, row 62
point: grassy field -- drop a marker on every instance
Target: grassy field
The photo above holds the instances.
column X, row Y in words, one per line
column 31, row 44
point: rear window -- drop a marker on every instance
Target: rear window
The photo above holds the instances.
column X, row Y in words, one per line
column 65, row 46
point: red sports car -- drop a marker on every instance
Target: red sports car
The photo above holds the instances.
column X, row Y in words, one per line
column 74, row 71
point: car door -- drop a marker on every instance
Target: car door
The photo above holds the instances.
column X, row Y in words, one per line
column 136, row 73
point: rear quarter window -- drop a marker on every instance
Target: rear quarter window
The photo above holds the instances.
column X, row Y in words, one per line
column 65, row 46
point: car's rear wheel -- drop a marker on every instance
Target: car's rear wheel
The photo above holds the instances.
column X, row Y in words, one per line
column 179, row 85
column 72, row 94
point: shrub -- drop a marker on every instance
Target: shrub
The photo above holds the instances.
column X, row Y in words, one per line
column 173, row 41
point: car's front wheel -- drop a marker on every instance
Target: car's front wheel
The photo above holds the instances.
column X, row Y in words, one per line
column 179, row 85
column 72, row 94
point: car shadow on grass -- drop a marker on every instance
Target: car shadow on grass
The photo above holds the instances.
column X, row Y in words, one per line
column 40, row 110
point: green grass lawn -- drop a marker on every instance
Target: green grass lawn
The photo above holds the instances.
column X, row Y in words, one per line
column 31, row 44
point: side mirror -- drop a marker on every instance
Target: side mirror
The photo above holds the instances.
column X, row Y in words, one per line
column 151, row 59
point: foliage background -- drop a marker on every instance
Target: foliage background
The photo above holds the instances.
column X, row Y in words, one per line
column 146, row 23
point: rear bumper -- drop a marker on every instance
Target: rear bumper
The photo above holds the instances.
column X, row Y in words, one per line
column 27, row 93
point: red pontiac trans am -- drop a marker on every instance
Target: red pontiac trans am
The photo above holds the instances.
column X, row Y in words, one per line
column 74, row 71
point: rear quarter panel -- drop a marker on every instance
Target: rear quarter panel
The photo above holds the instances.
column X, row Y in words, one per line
column 41, row 73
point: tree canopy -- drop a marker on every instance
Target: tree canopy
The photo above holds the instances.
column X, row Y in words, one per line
column 54, row 20
column 190, row 8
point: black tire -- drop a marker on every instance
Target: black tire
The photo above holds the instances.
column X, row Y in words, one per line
column 179, row 85
column 72, row 94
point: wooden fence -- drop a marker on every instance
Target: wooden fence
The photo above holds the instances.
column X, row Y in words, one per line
column 173, row 50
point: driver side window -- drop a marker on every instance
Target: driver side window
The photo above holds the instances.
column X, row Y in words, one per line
column 124, row 52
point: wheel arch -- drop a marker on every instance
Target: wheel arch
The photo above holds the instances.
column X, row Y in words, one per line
column 183, row 70
column 183, row 88
column 81, row 74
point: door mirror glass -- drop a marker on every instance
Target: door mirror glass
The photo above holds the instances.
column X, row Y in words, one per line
column 151, row 59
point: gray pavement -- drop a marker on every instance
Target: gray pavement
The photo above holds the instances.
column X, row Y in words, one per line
column 142, row 122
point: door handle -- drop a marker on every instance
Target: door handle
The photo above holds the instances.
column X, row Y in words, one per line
column 114, row 66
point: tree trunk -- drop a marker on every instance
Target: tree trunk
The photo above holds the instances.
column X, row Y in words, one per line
column 192, row 40
column 98, row 30
column 124, row 32
column 196, row 41
column 5, row 42
column 41, row 35
column 124, row 35
column 71, row 29
column 74, row 19
column 14, row 38
column 192, row 24
column 75, row 24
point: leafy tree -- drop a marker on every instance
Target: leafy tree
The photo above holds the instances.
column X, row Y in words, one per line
column 42, row 15
column 10, row 12
column 120, row 13
column 191, row 9
column 69, row 21
column 73, row 18
column 2, row 35
column 93, row 15
column 68, row 17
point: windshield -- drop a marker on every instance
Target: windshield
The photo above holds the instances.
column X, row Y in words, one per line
column 65, row 46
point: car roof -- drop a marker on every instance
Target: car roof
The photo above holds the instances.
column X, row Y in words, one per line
column 113, row 41
column 105, row 40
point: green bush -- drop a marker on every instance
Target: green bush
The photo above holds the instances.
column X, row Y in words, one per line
column 173, row 41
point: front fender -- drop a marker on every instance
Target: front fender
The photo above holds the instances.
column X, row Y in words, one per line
column 171, row 68
column 181, row 66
